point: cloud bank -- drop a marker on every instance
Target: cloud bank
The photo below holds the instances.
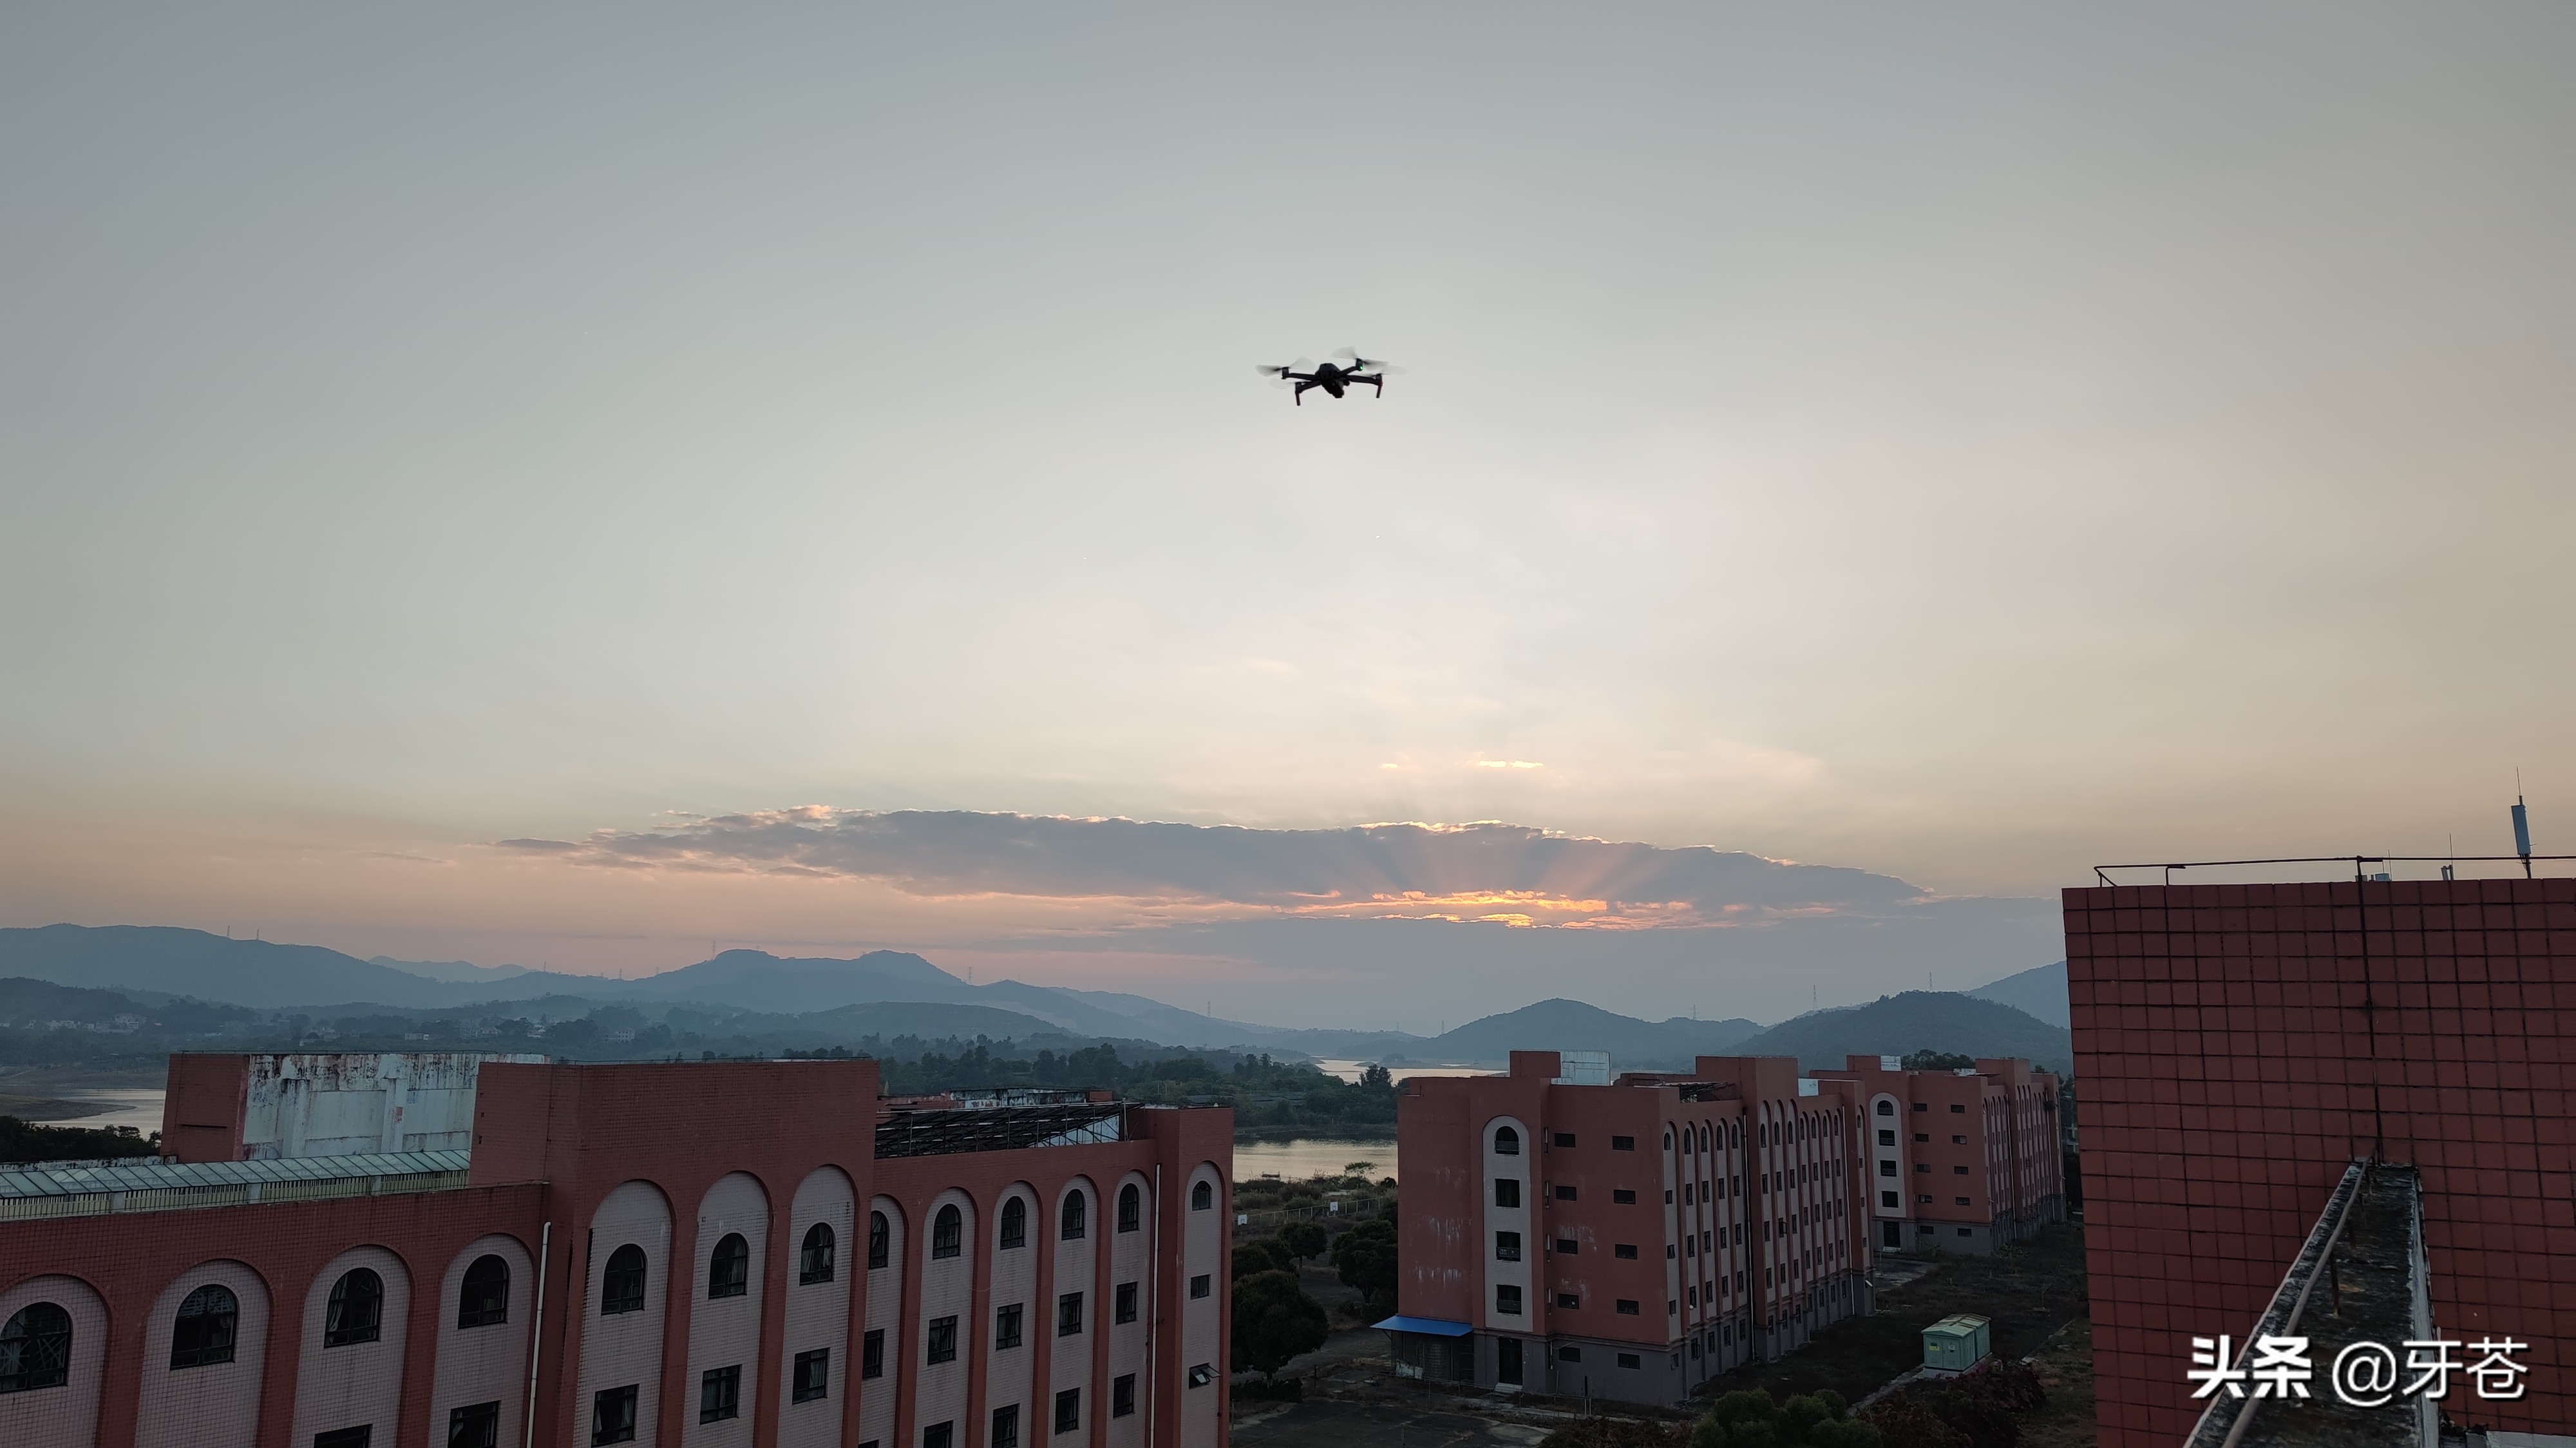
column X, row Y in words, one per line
column 1492, row 872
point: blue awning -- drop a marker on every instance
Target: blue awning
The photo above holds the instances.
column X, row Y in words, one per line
column 1432, row 1326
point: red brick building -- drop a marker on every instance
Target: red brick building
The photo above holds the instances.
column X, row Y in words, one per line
column 755, row 1254
column 1965, row 1160
column 1571, row 1234
column 2240, row 1046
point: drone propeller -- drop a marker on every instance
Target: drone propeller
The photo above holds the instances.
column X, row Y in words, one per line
column 1279, row 375
column 1367, row 364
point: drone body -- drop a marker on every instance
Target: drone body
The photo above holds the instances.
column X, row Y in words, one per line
column 1335, row 378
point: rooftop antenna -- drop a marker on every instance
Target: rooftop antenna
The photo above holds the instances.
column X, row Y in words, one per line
column 2521, row 826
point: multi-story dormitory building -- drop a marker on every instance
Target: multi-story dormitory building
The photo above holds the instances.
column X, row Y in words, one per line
column 1966, row 1160
column 752, row 1255
column 1567, row 1233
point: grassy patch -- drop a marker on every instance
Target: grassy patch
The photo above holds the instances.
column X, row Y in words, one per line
column 2029, row 1291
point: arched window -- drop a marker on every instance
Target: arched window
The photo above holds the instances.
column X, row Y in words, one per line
column 203, row 1335
column 1507, row 1142
column 1668, row 1138
column 1131, row 1208
column 621, row 1287
column 1703, row 1137
column 484, row 1301
column 356, row 1312
column 729, row 1270
column 1202, row 1196
column 36, row 1348
column 1015, row 1222
column 1887, row 1108
column 948, row 1232
column 814, row 1263
column 1077, row 1216
column 880, row 1235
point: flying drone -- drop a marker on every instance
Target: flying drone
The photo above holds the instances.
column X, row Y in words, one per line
column 1333, row 377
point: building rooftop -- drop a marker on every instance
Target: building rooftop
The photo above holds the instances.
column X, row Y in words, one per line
column 89, row 1188
column 1005, row 1128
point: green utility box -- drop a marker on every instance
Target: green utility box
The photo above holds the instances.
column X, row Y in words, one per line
column 1955, row 1344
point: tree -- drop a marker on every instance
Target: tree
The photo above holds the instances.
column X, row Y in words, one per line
column 1938, row 1061
column 1374, row 1077
column 1304, row 1239
column 1747, row 1418
column 1274, row 1320
column 1365, row 1258
column 1262, row 1254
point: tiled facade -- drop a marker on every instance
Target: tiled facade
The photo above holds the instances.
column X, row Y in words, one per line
column 1965, row 1160
column 2237, row 1046
column 708, row 1254
column 1627, row 1240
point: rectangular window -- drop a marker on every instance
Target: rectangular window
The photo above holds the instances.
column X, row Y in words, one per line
column 1620, row 1195
column 1201, row 1375
column 1887, row 1168
column 1569, row 1301
column 612, row 1417
column 1628, row 1306
column 1565, row 1194
column 1507, row 1191
column 1887, row 1138
column 478, row 1426
column 1958, row 1141
column 1126, row 1303
column 1567, row 1246
column 939, row 1435
column 1958, row 1110
column 1507, row 1246
column 1199, row 1286
column 1923, row 1168
column 1507, row 1301
column 1924, row 1199
column 1068, row 1315
column 1625, row 1251
column 942, row 1340
column 872, row 1354
column 1006, row 1427
column 1962, row 1201
column 1006, row 1327
column 1068, row 1410
column 1958, row 1171
column 357, row 1437
column 813, row 1375
column 1631, row 1360
column 1569, row 1354
column 1122, row 1396
column 1565, row 1138
column 720, row 1394
column 1623, row 1143
column 1887, row 1199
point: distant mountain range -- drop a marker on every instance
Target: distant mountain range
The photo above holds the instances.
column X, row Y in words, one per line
column 2040, row 990
column 1918, row 1020
column 888, row 993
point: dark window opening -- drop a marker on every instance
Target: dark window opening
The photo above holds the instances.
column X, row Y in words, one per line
column 1507, row 1142
column 948, row 1233
column 1006, row 1428
column 1569, row 1354
column 357, row 1437
column 1507, row 1246
column 1015, row 1233
column 1626, row 1251
column 1619, row 1196
column 475, row 1426
column 1567, row 1246
column 1068, row 1410
column 1631, row 1360
column 1068, row 1315
column 1623, row 1143
column 872, row 1354
column 1565, row 1138
column 1076, row 1219
column 356, row 1311
column 814, row 1260
column 1202, row 1196
column 621, row 1287
column 1124, row 1307
column 813, row 1375
column 1507, row 1300
column 942, row 1340
column 1201, row 1374
column 1566, row 1194
column 1507, row 1192
column 1122, row 1396
column 612, row 1416
column 1628, row 1306
column 1569, row 1301
column 720, row 1394
column 729, row 1270
column 1131, row 1208
column 1006, row 1326
column 203, row 1335
column 484, row 1300
column 880, row 1239
column 939, row 1435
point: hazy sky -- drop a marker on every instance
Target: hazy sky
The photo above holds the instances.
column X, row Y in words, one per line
column 1961, row 443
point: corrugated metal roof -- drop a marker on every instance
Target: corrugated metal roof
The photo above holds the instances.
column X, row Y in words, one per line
column 84, row 1178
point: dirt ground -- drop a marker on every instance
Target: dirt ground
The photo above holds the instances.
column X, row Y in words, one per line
column 2065, row 1365
column 2029, row 1291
